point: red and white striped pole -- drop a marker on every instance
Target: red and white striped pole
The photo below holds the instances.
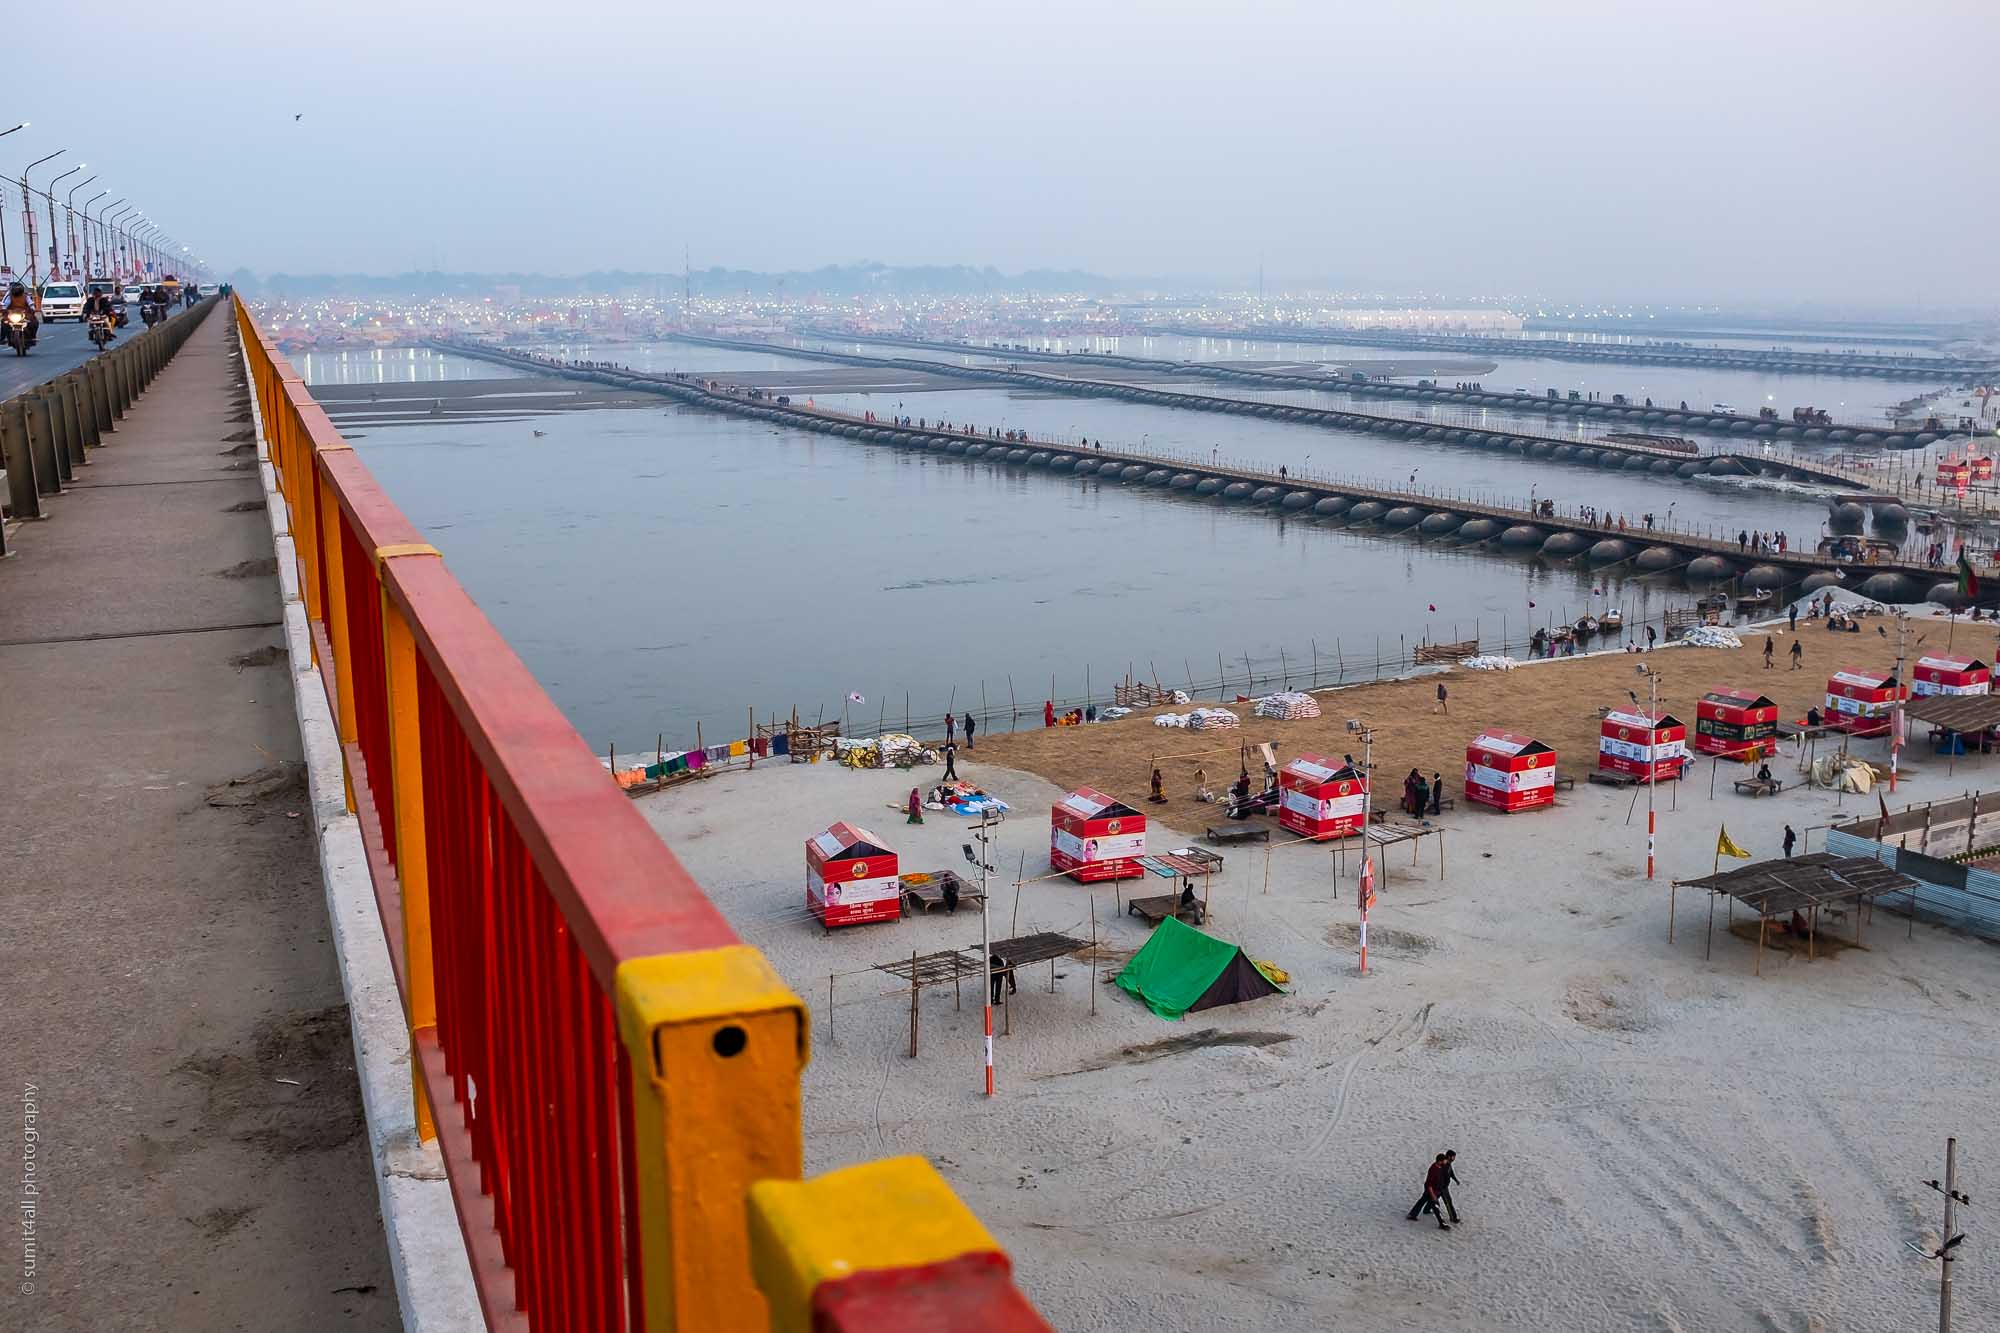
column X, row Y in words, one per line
column 1367, row 897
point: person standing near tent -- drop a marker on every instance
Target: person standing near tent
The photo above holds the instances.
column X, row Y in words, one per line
column 1798, row 654
column 1048, row 712
column 968, row 731
column 1428, row 1203
column 1437, row 793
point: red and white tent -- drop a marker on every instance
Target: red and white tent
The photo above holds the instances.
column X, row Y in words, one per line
column 1859, row 701
column 1950, row 675
column 1321, row 798
column 851, row 877
column 1729, row 722
column 1645, row 747
column 1509, row 771
column 1093, row 837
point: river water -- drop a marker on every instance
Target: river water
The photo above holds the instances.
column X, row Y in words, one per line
column 663, row 569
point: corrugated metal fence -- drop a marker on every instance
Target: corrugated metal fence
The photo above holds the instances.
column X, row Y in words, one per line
column 1948, row 894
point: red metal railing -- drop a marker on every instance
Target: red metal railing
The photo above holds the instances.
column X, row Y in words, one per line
column 607, row 1070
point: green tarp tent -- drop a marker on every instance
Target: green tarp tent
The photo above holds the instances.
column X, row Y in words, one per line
column 1181, row 969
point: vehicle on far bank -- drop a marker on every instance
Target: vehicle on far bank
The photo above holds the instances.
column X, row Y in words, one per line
column 61, row 300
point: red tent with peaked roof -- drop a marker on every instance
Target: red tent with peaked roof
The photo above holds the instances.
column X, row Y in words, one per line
column 1648, row 747
column 1730, row 721
column 1942, row 674
column 1321, row 798
column 1509, row 771
column 851, row 877
column 1094, row 837
column 1860, row 699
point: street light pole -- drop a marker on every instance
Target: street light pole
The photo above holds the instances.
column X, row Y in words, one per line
column 89, row 241
column 55, row 255
column 28, row 213
column 69, row 220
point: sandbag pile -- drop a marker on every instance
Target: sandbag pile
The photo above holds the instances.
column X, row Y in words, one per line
column 1287, row 707
column 1489, row 662
column 1712, row 636
column 1212, row 719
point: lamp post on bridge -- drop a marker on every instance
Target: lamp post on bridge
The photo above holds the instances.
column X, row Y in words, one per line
column 90, row 244
column 55, row 253
column 112, row 219
column 28, row 213
column 69, row 220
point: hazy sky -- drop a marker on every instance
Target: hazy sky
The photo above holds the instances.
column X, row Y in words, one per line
column 1710, row 149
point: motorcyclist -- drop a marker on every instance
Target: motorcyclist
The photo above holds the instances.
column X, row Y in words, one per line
column 18, row 301
column 152, row 305
column 100, row 303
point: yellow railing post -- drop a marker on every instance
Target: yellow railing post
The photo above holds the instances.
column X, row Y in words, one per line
column 399, row 668
column 716, row 1044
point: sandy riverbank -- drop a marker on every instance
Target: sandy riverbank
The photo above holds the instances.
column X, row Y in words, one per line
column 1647, row 1139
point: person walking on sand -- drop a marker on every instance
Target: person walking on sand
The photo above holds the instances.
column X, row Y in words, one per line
column 1791, row 841
column 1433, row 1188
column 1652, row 636
column 1798, row 654
column 1442, row 705
column 948, row 726
column 950, row 755
column 1446, row 1179
column 1770, row 651
column 1795, row 618
column 968, row 731
column 915, row 807
column 1048, row 712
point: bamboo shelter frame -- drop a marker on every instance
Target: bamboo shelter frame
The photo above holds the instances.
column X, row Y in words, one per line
column 1781, row 887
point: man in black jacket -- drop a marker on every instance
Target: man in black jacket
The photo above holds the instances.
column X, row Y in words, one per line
column 1435, row 1186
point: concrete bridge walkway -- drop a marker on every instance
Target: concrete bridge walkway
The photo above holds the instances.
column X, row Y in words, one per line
column 169, row 998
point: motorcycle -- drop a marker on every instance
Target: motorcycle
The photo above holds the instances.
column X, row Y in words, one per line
column 151, row 313
column 18, row 336
column 100, row 331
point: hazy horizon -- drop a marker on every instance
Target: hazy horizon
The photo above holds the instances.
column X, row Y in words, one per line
column 1821, row 155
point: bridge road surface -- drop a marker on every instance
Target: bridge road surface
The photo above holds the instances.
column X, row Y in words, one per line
column 58, row 347
column 165, row 958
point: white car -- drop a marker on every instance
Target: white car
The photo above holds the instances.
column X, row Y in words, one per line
column 62, row 300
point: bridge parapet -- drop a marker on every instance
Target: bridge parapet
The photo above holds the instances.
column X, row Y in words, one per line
column 606, row 1068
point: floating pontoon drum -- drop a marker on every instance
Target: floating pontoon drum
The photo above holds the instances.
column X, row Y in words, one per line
column 851, row 878
column 1648, row 748
column 1509, row 771
column 1093, row 837
column 1731, row 721
column 1859, row 701
column 1950, row 675
column 1321, row 798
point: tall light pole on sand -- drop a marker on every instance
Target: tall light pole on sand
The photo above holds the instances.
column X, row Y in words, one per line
column 983, row 860
column 1950, row 1241
column 1652, row 770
